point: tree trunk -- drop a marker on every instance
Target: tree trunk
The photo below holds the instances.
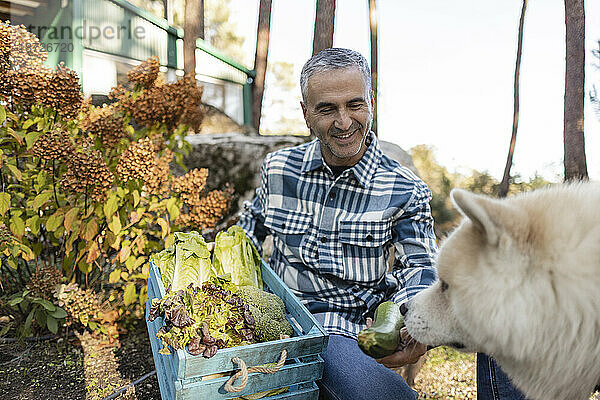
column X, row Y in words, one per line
column 503, row 188
column 373, row 19
column 574, row 140
column 193, row 28
column 260, row 60
column 324, row 24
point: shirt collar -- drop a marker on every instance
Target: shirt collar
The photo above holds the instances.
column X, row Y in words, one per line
column 363, row 170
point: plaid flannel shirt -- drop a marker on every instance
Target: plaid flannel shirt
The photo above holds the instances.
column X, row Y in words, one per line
column 332, row 236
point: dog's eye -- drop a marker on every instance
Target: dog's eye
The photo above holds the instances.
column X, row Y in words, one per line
column 444, row 285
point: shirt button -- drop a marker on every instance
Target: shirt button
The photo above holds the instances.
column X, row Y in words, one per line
column 332, row 195
column 369, row 238
column 323, row 239
column 283, row 226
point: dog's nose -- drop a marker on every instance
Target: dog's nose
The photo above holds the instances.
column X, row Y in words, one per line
column 403, row 309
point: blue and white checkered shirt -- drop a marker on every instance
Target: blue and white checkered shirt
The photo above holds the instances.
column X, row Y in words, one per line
column 331, row 236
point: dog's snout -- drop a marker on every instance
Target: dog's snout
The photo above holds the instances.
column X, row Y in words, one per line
column 403, row 308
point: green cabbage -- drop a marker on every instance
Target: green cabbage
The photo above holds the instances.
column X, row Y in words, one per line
column 192, row 261
column 235, row 254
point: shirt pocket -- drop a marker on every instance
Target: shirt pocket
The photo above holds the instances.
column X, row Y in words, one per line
column 363, row 249
column 290, row 227
column 287, row 222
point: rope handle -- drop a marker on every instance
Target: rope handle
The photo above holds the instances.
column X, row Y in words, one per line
column 244, row 371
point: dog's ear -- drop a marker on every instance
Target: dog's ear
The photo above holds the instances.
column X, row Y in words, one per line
column 480, row 210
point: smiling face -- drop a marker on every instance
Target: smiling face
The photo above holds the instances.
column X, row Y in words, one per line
column 338, row 109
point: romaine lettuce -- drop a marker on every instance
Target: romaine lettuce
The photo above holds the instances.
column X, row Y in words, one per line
column 235, row 254
column 165, row 261
column 192, row 261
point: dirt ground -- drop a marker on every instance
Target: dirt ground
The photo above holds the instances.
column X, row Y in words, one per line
column 82, row 367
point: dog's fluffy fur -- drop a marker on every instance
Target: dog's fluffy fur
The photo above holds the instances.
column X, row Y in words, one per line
column 519, row 279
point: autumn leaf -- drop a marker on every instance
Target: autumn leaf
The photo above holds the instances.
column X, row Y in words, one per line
column 17, row 226
column 115, row 224
column 164, row 225
column 93, row 253
column 130, row 295
column 91, row 229
column 111, row 205
column 114, row 276
column 124, row 253
column 70, row 217
column 54, row 221
column 4, row 203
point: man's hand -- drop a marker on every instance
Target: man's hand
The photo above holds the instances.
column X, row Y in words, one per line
column 408, row 353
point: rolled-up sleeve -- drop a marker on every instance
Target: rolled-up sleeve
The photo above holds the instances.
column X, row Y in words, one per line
column 415, row 247
column 252, row 216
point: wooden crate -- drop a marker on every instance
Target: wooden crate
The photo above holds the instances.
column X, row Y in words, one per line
column 180, row 374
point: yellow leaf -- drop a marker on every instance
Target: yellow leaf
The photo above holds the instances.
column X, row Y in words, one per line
column 4, row 203
column 136, row 198
column 54, row 221
column 93, row 253
column 41, row 199
column 129, row 295
column 33, row 223
column 69, row 245
column 164, row 226
column 124, row 253
column 145, row 270
column 114, row 276
column 17, row 226
column 169, row 241
column 124, row 275
column 111, row 205
column 115, row 224
column 91, row 229
column 70, row 217
column 26, row 253
column 117, row 243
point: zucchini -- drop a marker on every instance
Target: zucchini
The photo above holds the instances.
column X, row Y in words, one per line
column 383, row 337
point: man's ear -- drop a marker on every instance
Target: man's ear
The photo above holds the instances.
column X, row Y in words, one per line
column 304, row 111
column 481, row 210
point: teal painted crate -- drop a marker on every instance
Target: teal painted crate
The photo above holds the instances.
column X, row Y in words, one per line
column 180, row 375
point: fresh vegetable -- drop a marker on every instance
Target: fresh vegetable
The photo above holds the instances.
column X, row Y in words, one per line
column 192, row 261
column 268, row 311
column 204, row 318
column 165, row 261
column 383, row 337
column 235, row 254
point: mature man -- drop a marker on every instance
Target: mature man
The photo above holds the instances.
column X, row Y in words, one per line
column 335, row 206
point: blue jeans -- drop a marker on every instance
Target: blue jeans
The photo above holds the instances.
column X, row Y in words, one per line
column 350, row 374
column 492, row 382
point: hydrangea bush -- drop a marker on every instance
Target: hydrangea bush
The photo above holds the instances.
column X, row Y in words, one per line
column 86, row 192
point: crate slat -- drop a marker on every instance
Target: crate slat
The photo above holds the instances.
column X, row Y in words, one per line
column 289, row 375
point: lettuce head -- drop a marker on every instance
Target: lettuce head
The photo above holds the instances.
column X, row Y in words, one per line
column 192, row 261
column 234, row 254
column 165, row 261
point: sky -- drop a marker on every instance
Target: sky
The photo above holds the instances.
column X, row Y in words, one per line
column 446, row 71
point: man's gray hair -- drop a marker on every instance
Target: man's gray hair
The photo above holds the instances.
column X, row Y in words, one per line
column 334, row 58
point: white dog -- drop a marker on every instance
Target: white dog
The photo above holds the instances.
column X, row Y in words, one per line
column 519, row 280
